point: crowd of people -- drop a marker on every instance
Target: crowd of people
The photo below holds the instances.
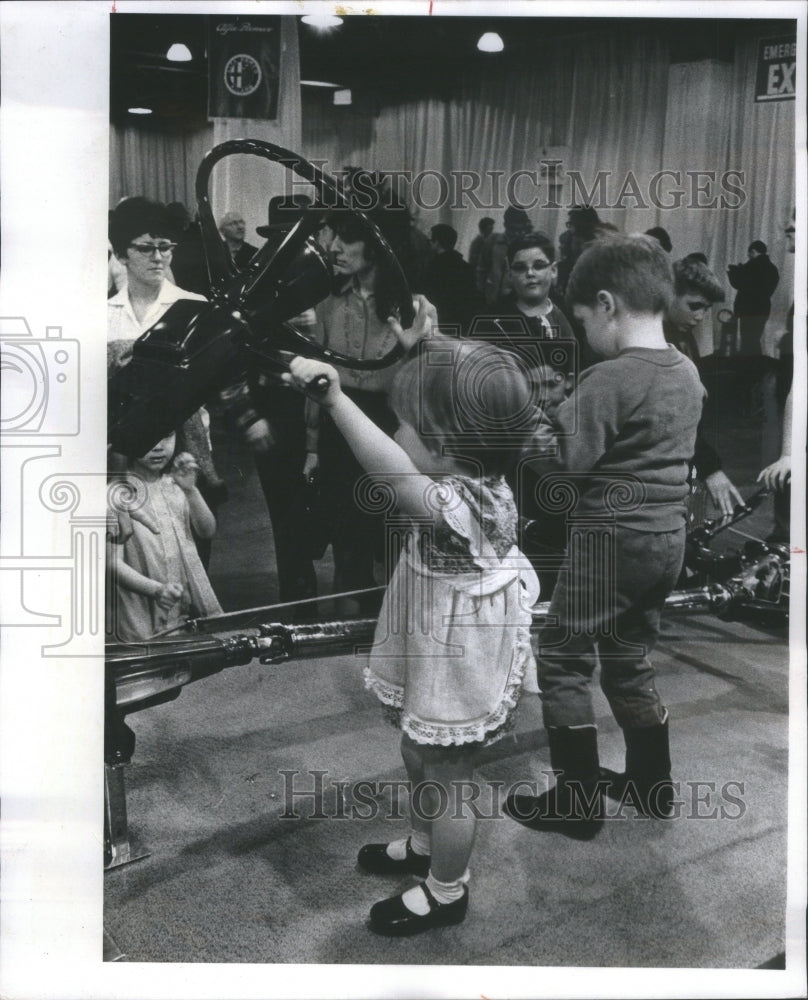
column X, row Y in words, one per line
column 529, row 364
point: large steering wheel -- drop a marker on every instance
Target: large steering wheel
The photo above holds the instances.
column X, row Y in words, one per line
column 245, row 329
column 268, row 268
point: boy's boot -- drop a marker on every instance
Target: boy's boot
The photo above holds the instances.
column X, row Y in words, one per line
column 646, row 783
column 574, row 806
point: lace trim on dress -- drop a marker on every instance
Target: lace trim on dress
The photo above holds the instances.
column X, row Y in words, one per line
column 388, row 694
column 486, row 731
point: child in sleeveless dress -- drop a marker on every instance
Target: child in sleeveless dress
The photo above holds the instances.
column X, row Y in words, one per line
column 156, row 577
column 452, row 643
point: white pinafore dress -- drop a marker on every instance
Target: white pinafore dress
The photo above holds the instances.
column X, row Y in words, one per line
column 452, row 644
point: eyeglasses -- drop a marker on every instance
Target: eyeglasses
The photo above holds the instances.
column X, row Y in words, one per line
column 148, row 249
column 522, row 267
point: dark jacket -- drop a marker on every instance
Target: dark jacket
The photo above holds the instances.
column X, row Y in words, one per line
column 449, row 286
column 504, row 325
column 243, row 256
column 755, row 281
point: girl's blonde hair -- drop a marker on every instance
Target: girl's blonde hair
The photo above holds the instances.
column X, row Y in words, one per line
column 467, row 399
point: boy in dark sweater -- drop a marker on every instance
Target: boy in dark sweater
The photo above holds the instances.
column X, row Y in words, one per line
column 626, row 436
column 528, row 315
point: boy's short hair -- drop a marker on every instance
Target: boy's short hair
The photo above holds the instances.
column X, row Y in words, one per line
column 691, row 277
column 468, row 396
column 444, row 236
column 634, row 268
column 135, row 216
column 758, row 246
column 530, row 240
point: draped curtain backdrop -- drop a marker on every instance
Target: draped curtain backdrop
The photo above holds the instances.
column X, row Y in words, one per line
column 761, row 142
column 615, row 107
column 697, row 120
column 159, row 165
column 606, row 110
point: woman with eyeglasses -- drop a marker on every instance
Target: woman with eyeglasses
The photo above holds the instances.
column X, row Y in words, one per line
column 140, row 232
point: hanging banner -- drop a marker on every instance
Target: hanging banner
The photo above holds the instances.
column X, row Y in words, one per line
column 244, row 58
column 776, row 68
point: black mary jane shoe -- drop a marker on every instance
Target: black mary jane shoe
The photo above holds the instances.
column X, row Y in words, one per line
column 391, row 917
column 374, row 858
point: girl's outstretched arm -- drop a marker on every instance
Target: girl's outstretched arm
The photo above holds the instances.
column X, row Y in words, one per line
column 374, row 450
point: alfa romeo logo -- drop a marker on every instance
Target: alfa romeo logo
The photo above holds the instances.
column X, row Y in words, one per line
column 242, row 75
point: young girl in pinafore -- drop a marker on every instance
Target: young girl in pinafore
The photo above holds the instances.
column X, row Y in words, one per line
column 156, row 576
column 452, row 644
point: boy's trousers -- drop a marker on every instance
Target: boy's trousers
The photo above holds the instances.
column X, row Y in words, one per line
column 608, row 602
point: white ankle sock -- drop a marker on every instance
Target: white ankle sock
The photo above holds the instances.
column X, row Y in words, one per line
column 419, row 842
column 397, row 849
column 446, row 892
column 415, row 900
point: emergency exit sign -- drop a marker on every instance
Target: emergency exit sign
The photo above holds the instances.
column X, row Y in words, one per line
column 776, row 69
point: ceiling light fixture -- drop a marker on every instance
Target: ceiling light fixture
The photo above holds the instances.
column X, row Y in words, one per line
column 179, row 53
column 139, row 111
column 490, row 42
column 318, row 83
column 322, row 22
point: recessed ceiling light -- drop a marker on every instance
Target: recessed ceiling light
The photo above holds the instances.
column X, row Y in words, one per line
column 139, row 111
column 179, row 53
column 490, row 42
column 317, row 83
column 321, row 21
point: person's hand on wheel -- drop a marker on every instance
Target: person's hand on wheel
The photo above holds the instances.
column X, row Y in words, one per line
column 318, row 380
column 426, row 320
column 776, row 475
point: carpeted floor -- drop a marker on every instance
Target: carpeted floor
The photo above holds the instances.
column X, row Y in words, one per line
column 253, row 861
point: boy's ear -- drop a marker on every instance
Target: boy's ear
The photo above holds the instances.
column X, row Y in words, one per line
column 606, row 301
